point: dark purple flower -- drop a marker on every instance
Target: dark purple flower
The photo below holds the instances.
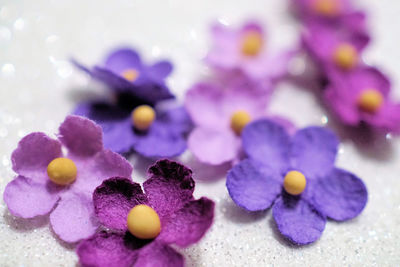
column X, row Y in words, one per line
column 125, row 73
column 319, row 190
column 169, row 191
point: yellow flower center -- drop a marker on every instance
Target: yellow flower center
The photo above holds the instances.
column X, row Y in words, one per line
column 130, row 74
column 370, row 100
column 294, row 183
column 328, row 8
column 252, row 43
column 143, row 222
column 345, row 56
column 62, row 171
column 143, row 117
column 239, row 120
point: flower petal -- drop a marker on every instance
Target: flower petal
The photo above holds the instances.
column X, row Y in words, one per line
column 178, row 117
column 160, row 70
column 169, row 187
column 123, row 59
column 340, row 195
column 189, row 224
column 73, row 219
column 252, row 186
column 81, row 136
column 34, row 152
column 26, row 198
column 213, row 146
column 113, row 200
column 313, row 151
column 158, row 254
column 268, row 142
column 297, row 220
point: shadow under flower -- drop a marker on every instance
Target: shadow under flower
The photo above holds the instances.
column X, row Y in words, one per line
column 25, row 225
column 236, row 214
column 207, row 173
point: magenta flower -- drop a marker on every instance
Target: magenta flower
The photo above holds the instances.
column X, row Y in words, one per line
column 362, row 96
column 245, row 50
column 45, row 185
column 322, row 9
column 169, row 191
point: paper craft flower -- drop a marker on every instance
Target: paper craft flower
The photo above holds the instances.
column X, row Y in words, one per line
column 50, row 181
column 297, row 177
column 362, row 96
column 245, row 50
column 143, row 225
column 322, row 9
column 125, row 73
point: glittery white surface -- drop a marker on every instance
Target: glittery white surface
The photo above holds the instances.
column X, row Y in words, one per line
column 38, row 87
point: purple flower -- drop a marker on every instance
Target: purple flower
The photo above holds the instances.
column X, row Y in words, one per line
column 169, row 191
column 363, row 96
column 37, row 191
column 124, row 72
column 297, row 177
column 328, row 10
column 245, row 50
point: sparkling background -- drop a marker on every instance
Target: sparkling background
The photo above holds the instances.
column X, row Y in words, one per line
column 38, row 87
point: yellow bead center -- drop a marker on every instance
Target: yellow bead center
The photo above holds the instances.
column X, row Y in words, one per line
column 370, row 100
column 239, row 120
column 143, row 117
column 294, row 183
column 130, row 74
column 143, row 222
column 252, row 43
column 327, row 8
column 62, row 171
column 345, row 56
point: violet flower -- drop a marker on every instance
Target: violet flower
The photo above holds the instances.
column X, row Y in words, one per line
column 327, row 10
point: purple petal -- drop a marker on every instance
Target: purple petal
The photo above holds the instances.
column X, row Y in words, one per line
column 34, row 152
column 26, row 198
column 160, row 70
column 158, row 254
column 169, row 187
column 101, row 112
column 387, row 119
column 119, row 136
column 340, row 195
column 253, row 186
column 313, row 151
column 189, row 224
column 212, row 146
column 123, row 59
column 178, row 117
column 298, row 220
column 73, row 219
column 109, row 249
column 113, row 200
column 268, row 142
column 81, row 136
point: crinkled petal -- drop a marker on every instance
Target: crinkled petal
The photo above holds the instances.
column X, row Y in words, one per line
column 268, row 142
column 252, row 185
column 73, row 219
column 160, row 70
column 113, row 200
column 340, row 195
column 169, row 187
column 123, row 59
column 81, row 136
column 26, row 198
column 34, row 152
column 158, row 254
column 297, row 220
column 313, row 151
column 212, row 146
column 189, row 224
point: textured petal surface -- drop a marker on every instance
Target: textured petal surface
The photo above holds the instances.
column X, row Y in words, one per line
column 26, row 199
column 313, row 151
column 73, row 219
column 189, row 224
column 169, row 187
column 340, row 195
column 34, row 152
column 157, row 254
column 113, row 200
column 252, row 186
column 297, row 220
column 81, row 136
column 178, row 118
column 213, row 147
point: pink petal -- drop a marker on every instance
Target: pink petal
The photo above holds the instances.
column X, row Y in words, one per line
column 157, row 254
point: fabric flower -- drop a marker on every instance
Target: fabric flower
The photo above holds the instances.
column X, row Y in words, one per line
column 168, row 192
column 363, row 96
column 297, row 177
column 245, row 50
column 51, row 181
column 124, row 72
column 322, row 9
